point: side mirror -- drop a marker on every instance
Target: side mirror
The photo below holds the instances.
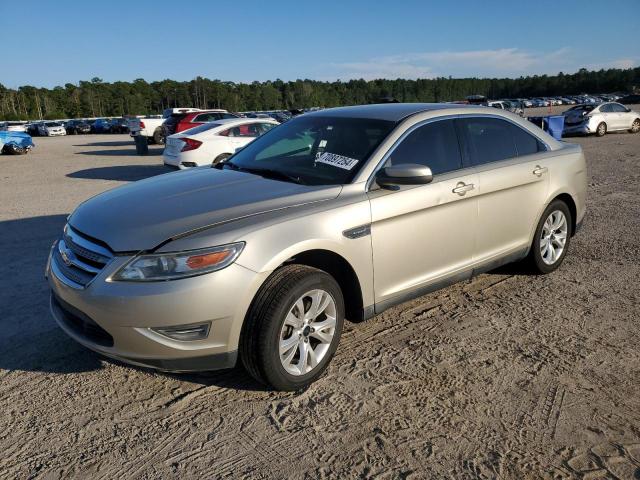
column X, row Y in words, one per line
column 404, row 174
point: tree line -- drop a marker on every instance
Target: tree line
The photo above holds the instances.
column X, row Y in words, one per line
column 96, row 98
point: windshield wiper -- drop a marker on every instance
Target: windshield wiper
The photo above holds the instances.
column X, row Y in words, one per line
column 266, row 173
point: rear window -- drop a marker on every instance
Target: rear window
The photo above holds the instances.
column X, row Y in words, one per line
column 579, row 108
column 202, row 128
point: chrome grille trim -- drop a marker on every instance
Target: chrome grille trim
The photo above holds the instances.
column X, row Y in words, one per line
column 97, row 250
column 76, row 261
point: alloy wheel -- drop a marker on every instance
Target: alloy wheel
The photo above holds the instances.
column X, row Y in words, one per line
column 553, row 237
column 307, row 332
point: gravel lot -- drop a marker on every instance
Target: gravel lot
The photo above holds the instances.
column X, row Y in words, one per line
column 505, row 376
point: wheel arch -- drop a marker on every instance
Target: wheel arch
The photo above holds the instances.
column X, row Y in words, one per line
column 343, row 273
column 573, row 209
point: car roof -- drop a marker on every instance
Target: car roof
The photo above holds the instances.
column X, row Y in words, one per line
column 393, row 112
column 225, row 121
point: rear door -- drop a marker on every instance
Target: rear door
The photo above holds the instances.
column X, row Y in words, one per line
column 513, row 183
column 623, row 119
column 422, row 234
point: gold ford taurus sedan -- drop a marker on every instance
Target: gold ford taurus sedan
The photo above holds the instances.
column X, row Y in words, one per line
column 338, row 214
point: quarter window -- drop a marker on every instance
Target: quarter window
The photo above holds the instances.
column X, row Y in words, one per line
column 434, row 145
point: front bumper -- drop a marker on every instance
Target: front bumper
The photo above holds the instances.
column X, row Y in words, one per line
column 116, row 319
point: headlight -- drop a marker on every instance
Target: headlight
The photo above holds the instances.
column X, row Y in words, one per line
column 171, row 266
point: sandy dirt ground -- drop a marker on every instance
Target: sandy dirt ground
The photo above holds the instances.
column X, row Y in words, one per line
column 504, row 376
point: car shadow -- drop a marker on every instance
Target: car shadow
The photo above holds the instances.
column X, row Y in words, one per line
column 121, row 172
column 31, row 340
column 120, row 153
column 107, row 144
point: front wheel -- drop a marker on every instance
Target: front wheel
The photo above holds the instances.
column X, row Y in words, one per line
column 601, row 130
column 551, row 239
column 293, row 327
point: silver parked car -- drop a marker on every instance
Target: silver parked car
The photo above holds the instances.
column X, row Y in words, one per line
column 337, row 214
column 600, row 119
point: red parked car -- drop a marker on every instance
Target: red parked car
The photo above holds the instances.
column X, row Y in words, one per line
column 179, row 121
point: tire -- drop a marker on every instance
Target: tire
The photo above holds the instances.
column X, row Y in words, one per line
column 13, row 149
column 635, row 126
column 220, row 158
column 542, row 260
column 601, row 130
column 268, row 328
column 158, row 137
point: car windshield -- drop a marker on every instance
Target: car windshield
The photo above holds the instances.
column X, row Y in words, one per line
column 53, row 124
column 314, row 150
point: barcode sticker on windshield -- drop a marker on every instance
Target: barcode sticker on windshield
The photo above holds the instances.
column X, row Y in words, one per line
column 336, row 160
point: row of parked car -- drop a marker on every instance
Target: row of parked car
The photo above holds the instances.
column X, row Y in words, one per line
column 571, row 100
column 156, row 128
column 76, row 126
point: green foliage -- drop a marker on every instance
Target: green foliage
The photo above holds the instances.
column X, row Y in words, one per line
column 95, row 98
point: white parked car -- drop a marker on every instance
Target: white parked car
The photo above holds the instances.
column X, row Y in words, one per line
column 213, row 142
column 149, row 126
column 600, row 119
column 51, row 129
column 13, row 126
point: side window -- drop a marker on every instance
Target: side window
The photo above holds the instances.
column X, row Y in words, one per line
column 246, row 130
column 265, row 127
column 487, row 139
column 526, row 144
column 434, row 145
column 606, row 108
column 617, row 108
column 227, row 115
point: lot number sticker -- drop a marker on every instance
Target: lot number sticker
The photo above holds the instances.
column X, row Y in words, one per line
column 336, row 160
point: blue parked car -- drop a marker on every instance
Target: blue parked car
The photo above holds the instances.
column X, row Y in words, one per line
column 101, row 125
column 16, row 143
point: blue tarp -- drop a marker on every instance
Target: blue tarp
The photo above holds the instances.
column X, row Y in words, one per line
column 552, row 124
column 20, row 139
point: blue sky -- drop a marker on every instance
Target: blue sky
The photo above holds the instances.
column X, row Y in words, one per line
column 65, row 41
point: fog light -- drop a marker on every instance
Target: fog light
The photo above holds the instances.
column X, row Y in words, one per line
column 185, row 333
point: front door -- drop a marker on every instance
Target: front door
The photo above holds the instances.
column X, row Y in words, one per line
column 423, row 234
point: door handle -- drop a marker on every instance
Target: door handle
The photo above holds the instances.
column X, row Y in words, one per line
column 539, row 170
column 462, row 188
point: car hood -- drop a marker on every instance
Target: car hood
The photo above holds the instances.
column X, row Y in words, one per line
column 145, row 214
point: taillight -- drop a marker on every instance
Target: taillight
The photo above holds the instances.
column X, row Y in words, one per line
column 141, row 124
column 190, row 144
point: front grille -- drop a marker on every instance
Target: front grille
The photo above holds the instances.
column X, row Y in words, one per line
column 81, row 324
column 79, row 259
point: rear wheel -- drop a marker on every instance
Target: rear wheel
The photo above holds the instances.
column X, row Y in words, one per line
column 293, row 327
column 220, row 158
column 601, row 130
column 635, row 126
column 551, row 239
